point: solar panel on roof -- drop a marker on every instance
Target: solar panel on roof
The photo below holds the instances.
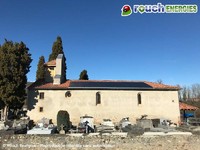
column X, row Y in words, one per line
column 103, row 84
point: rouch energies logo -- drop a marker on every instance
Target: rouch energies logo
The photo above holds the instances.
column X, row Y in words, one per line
column 159, row 8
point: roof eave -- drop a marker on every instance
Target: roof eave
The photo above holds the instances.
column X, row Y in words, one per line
column 102, row 88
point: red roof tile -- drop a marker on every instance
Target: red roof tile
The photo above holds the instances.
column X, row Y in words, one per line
column 52, row 86
column 51, row 63
column 184, row 106
column 161, row 86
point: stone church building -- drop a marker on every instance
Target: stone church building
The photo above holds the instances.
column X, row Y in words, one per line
column 101, row 99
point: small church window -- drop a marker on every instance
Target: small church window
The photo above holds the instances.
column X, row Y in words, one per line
column 68, row 94
column 41, row 95
column 139, row 98
column 98, row 98
column 41, row 109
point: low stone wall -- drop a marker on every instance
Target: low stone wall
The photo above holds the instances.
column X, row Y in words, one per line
column 98, row 142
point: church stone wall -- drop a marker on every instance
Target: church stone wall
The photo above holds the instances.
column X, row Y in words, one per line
column 115, row 104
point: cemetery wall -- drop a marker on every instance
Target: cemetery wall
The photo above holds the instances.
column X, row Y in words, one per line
column 61, row 142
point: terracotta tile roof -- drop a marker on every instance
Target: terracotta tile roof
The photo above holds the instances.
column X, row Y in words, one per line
column 64, row 85
column 51, row 63
column 161, row 86
column 104, row 84
column 184, row 106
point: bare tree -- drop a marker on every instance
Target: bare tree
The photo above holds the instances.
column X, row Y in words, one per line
column 195, row 89
column 184, row 93
column 159, row 81
column 188, row 93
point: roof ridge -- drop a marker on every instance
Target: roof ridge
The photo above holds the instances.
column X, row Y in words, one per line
column 107, row 80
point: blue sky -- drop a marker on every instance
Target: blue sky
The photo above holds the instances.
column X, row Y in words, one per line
column 97, row 38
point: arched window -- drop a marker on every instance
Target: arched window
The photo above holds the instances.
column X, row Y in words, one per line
column 139, row 98
column 98, row 98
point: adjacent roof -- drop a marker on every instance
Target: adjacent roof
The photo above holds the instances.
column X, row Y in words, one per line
column 51, row 63
column 184, row 106
column 104, row 85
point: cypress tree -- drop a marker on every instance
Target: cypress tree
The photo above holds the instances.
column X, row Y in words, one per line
column 83, row 75
column 15, row 62
column 57, row 49
column 40, row 74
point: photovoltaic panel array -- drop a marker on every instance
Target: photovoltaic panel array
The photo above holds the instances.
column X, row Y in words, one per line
column 110, row 84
